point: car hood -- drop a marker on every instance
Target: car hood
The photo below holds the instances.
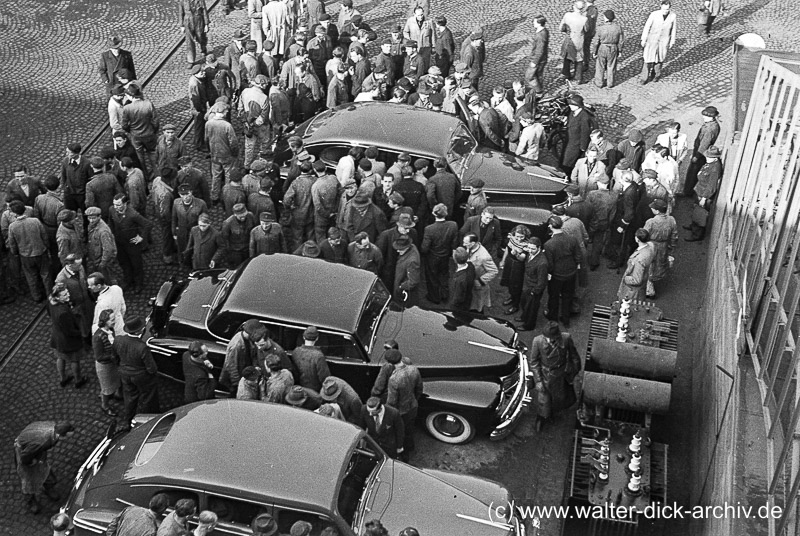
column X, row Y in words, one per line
column 437, row 500
column 503, row 172
column 447, row 339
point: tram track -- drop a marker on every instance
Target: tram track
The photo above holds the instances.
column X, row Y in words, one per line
column 89, row 146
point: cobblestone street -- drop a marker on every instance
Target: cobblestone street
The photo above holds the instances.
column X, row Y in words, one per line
column 51, row 95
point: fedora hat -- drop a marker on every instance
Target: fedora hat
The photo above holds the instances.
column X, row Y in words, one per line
column 330, row 390
column 134, row 325
column 296, row 396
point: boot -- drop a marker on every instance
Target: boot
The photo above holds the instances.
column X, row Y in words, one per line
column 33, row 504
column 579, row 73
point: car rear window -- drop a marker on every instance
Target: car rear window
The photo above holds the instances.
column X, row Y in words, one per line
column 155, row 439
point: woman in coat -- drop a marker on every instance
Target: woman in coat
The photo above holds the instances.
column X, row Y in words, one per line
column 658, row 36
column 554, row 363
column 106, row 361
column 66, row 338
column 634, row 281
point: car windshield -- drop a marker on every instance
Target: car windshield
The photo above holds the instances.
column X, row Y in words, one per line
column 359, row 482
column 218, row 301
column 462, row 145
column 376, row 303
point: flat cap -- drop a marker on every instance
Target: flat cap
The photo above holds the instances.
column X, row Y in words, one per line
column 93, row 211
column 635, row 135
column 96, row 162
column 266, row 216
column 66, row 215
column 258, row 165
column 169, row 126
column 411, row 43
column 477, row 183
column 239, row 209
column 710, row 111
column 184, row 189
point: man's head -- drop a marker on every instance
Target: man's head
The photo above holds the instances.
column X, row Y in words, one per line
column 204, row 221
column 555, row 223
column 185, row 191
column 266, row 219
column 591, row 154
column 411, row 47
column 184, row 508
column 60, row 293
column 635, row 136
column 59, row 523
column 470, row 241
column 120, row 203
column 650, row 176
column 374, row 406
column 539, row 21
column 419, row 13
column 596, row 136
column 362, row 240
column 114, row 43
column 476, row 186
column 709, row 113
column 579, row 6
column 487, row 215
column 96, row 282
column 73, row 261
column 460, row 255
column 64, row 428
column 552, row 331
column 673, row 129
column 665, row 6
column 642, row 236
column 51, row 183
column 240, row 211
column 440, row 211
column 334, row 236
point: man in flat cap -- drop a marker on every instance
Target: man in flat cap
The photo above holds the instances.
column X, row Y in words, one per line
column 68, row 238
column 320, row 50
column 705, row 190
column 663, row 236
column 102, row 187
column 27, row 239
column 194, row 25
column 232, row 55
column 406, row 272
column 169, row 148
column 324, row 199
column 47, row 208
column 224, row 147
column 418, row 28
column 199, row 99
column 194, row 177
column 112, row 61
column 140, row 120
column 235, row 236
column 606, row 47
column 101, row 248
column 185, row 213
column 706, row 137
column 632, row 150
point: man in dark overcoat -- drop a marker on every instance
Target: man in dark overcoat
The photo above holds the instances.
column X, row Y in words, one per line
column 112, row 61
column 554, row 363
column 384, row 424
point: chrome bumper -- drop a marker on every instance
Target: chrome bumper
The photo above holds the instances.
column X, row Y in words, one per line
column 520, row 401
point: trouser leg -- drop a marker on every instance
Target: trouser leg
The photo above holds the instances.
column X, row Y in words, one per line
column 191, row 48
column 579, row 72
column 217, row 176
column 600, row 69
column 199, row 132
column 125, row 263
column 147, row 385
column 530, row 309
column 566, row 69
column 691, row 174
column 611, row 68
column 408, row 439
column 31, row 272
column 567, row 293
column 321, row 224
column 657, row 71
column 130, row 397
column 645, row 76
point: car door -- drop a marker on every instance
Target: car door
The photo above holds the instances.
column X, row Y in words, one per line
column 347, row 361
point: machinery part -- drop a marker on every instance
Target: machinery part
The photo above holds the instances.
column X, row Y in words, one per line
column 635, row 360
column 631, row 394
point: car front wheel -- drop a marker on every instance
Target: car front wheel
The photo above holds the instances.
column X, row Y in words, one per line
column 449, row 427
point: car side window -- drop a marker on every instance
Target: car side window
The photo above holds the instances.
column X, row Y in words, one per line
column 337, row 346
column 226, row 324
column 286, row 517
column 331, row 155
column 236, row 513
column 176, row 495
column 387, row 157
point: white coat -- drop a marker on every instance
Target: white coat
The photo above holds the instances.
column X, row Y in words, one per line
column 658, row 36
column 275, row 23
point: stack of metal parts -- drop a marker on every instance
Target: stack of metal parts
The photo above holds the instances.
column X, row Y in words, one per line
column 616, row 469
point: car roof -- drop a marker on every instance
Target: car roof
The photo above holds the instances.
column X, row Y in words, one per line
column 281, row 452
column 400, row 127
column 301, row 290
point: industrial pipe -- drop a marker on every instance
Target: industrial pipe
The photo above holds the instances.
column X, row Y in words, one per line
column 635, row 359
column 631, row 394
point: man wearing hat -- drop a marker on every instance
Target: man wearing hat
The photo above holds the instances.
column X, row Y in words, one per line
column 488, row 127
column 298, row 202
column 337, row 391
column 276, row 24
column 170, row 147
column 308, row 249
column 406, row 272
column 474, row 55
column 267, row 238
column 194, row 25
column 413, row 64
column 580, row 124
column 251, row 183
column 33, row 468
column 264, row 525
column 419, row 29
column 224, row 147
column 573, row 24
column 320, row 49
column 235, row 236
column 658, row 36
column 413, row 193
column 310, row 361
column 337, row 88
column 73, row 277
column 254, row 111
column 554, row 363
column 115, row 104
column 46, row 208
column 604, row 205
column 112, row 61
column 199, row 98
column 385, row 425
column 632, row 150
column 75, row 173
column 705, row 190
column 404, row 389
column 140, row 120
column 304, row 398
column 233, row 193
column 254, row 13
column 261, row 200
column 324, row 199
column 242, row 353
column 663, row 236
column 706, row 137
column 363, row 254
column 606, row 46
column 204, row 245
column 619, row 237
column 101, row 247
column 138, row 371
column 444, row 45
column 233, row 53
column 102, row 188
column 199, row 382
column 439, row 240
column 396, row 170
column 194, row 177
column 68, row 239
column 530, row 137
column 185, row 213
column 443, row 187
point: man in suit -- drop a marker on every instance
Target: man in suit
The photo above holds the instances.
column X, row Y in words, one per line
column 623, row 217
column 112, row 61
column 419, row 29
column 541, row 43
column 24, row 186
column 486, row 227
column 138, row 371
column 438, row 242
column 130, row 229
column 75, row 174
column 384, row 425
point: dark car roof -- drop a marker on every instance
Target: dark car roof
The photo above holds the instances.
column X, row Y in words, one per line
column 393, row 126
column 301, row 290
column 286, row 453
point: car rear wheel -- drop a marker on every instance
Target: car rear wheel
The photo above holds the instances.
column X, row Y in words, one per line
column 449, row 427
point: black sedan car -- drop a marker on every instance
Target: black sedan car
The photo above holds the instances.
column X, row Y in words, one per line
column 241, row 459
column 520, row 191
column 473, row 366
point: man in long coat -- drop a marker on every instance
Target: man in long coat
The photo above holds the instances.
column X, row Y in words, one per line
column 554, row 363
column 275, row 23
column 573, row 24
column 663, row 235
column 658, row 36
column 634, row 281
column 30, row 452
column 112, row 61
column 194, row 22
column 579, row 130
column 485, row 271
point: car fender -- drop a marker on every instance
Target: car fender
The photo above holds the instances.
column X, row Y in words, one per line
column 93, row 520
column 471, row 399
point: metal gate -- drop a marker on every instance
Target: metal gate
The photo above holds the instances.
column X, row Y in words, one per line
column 761, row 210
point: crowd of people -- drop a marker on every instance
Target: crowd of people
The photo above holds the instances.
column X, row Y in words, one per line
column 68, row 237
